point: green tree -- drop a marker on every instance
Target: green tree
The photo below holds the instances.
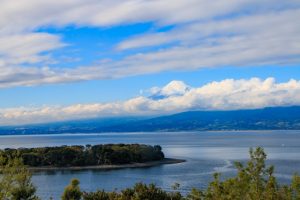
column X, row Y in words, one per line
column 15, row 181
column 254, row 181
column 72, row 191
column 295, row 188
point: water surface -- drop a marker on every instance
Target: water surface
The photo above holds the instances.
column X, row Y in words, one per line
column 205, row 152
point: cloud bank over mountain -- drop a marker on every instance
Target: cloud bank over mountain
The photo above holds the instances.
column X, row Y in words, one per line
column 197, row 34
column 175, row 97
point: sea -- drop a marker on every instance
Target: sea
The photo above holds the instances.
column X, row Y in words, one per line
column 206, row 153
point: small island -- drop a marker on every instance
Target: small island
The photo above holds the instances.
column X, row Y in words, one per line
column 101, row 156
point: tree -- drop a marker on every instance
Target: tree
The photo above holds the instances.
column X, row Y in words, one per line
column 72, row 191
column 254, row 181
column 15, row 182
column 76, row 155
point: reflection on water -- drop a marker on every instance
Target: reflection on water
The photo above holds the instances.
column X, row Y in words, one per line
column 205, row 152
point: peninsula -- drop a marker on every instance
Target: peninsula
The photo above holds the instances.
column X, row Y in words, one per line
column 102, row 156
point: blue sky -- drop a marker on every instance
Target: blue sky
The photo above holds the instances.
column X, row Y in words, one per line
column 125, row 88
column 103, row 58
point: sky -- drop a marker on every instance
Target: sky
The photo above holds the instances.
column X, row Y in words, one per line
column 72, row 59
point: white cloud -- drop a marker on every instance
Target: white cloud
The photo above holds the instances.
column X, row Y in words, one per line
column 228, row 94
column 206, row 34
column 276, row 25
column 31, row 14
column 26, row 48
column 172, row 89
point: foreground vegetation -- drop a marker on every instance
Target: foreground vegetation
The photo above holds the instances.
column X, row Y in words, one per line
column 68, row 156
column 254, row 181
column 15, row 181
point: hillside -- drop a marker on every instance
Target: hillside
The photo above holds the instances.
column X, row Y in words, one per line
column 286, row 118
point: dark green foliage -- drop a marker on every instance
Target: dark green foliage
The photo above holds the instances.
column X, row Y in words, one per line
column 66, row 156
column 72, row 191
column 100, row 194
column 139, row 192
column 147, row 192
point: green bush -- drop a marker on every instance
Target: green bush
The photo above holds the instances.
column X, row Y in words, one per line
column 72, row 191
column 254, row 181
column 15, row 180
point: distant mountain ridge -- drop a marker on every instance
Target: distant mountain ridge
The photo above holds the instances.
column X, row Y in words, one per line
column 274, row 118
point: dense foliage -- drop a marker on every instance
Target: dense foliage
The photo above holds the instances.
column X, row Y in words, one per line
column 15, row 181
column 88, row 155
column 72, row 191
column 139, row 192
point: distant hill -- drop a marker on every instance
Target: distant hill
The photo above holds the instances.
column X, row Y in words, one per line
column 75, row 126
column 258, row 119
column 276, row 118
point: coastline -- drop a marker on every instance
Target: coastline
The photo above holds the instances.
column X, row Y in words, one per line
column 150, row 132
column 168, row 132
column 165, row 161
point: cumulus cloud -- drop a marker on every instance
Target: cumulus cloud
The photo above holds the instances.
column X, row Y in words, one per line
column 205, row 34
column 228, row 94
column 174, row 88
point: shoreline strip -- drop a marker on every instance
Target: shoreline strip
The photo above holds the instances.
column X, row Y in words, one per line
column 109, row 167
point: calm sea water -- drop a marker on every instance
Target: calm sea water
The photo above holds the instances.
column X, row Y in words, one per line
column 205, row 152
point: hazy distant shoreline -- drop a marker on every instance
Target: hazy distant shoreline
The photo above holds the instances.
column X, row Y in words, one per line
column 270, row 118
column 150, row 132
column 111, row 167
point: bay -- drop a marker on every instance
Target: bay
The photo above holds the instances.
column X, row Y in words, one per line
column 205, row 153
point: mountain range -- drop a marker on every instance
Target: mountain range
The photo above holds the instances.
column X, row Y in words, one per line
column 273, row 118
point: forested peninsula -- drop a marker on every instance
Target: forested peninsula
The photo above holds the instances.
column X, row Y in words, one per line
column 89, row 156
